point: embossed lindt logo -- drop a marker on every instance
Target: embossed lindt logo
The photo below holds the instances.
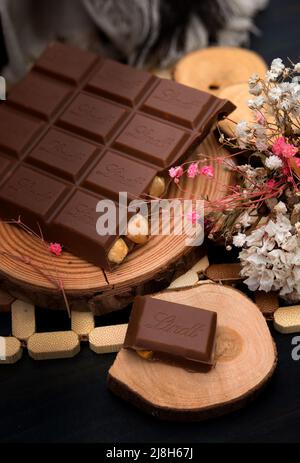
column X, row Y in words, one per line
column 30, row 187
column 142, row 132
column 115, row 171
column 82, row 212
column 174, row 96
column 91, row 112
column 169, row 324
column 58, row 148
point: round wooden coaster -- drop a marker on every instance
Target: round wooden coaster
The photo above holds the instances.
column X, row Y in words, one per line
column 148, row 269
column 239, row 95
column 245, row 361
column 214, row 68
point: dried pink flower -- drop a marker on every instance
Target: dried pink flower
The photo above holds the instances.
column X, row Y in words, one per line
column 282, row 148
column 176, row 172
column 193, row 216
column 55, row 248
column 208, row 171
column 260, row 118
column 271, row 183
column 193, row 170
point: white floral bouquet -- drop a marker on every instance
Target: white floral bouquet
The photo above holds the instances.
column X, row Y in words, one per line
column 260, row 214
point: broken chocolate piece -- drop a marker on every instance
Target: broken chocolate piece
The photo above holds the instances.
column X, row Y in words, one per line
column 173, row 332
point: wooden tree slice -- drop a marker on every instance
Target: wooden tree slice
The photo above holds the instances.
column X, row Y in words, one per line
column 214, row 68
column 239, row 95
column 246, row 359
column 149, row 268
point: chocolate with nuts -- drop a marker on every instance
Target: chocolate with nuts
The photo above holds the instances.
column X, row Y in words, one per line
column 176, row 333
column 79, row 128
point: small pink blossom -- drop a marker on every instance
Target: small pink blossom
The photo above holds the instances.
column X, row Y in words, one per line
column 297, row 162
column 278, row 146
column 271, row 183
column 55, row 248
column 289, row 151
column 260, row 118
column 193, row 217
column 193, row 170
column 208, row 171
column 176, row 172
column 281, row 148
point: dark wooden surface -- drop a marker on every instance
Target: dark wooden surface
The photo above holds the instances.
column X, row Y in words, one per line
column 67, row 401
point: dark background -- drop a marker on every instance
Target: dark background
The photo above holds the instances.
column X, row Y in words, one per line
column 67, row 401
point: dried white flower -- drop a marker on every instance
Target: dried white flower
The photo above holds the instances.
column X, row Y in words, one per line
column 260, row 137
column 271, row 76
column 256, row 103
column 290, row 244
column 255, row 86
column 239, row 240
column 273, row 162
column 246, row 220
column 271, row 256
column 257, row 89
column 280, row 208
column 261, row 144
column 297, row 228
column 277, row 66
column 297, row 67
column 253, row 80
column 275, row 93
column 243, row 133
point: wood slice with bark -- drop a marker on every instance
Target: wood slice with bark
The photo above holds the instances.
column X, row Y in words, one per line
column 245, row 361
column 148, row 268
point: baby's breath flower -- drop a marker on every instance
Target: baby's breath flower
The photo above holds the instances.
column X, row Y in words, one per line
column 277, row 66
column 261, row 144
column 273, row 162
column 256, row 89
column 275, row 93
column 255, row 86
column 239, row 240
column 256, row 103
column 246, row 220
column 271, row 76
column 297, row 228
column 253, row 80
column 280, row 208
column 222, row 138
column 270, row 257
column 243, row 133
column 297, row 67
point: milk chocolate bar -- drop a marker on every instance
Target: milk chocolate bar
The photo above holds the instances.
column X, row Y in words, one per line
column 80, row 128
column 173, row 332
